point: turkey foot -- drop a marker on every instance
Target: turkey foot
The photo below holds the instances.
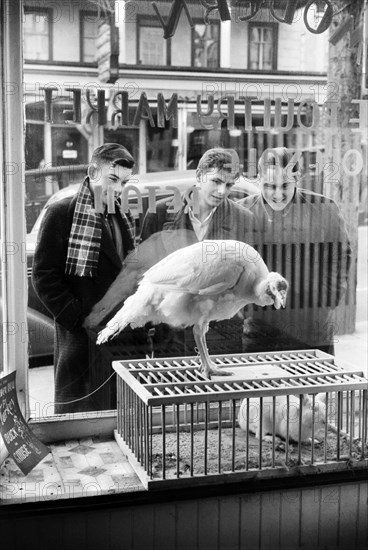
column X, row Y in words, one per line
column 211, row 370
column 207, row 366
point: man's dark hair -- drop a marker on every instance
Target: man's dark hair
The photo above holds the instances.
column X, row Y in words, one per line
column 219, row 158
column 278, row 156
column 113, row 153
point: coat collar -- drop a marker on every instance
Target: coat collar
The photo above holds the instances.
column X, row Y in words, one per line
column 221, row 219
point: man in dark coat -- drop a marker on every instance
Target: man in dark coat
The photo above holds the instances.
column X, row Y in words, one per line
column 82, row 243
column 302, row 235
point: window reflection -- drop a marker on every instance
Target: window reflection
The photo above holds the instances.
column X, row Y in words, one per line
column 206, row 45
column 262, row 47
column 152, row 48
column 37, row 35
column 169, row 156
column 89, row 32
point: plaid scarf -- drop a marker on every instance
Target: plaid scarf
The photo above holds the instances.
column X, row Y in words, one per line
column 85, row 235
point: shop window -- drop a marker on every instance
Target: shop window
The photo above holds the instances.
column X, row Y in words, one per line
column 151, row 48
column 129, row 137
column 262, row 46
column 88, row 37
column 68, row 146
column 34, row 146
column 206, row 45
column 37, row 35
column 162, row 148
column 35, row 111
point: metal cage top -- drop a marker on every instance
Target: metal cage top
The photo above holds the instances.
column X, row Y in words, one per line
column 166, row 381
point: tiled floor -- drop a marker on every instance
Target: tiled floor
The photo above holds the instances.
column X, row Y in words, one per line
column 73, row 469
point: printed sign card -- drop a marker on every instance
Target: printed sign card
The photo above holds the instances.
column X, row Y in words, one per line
column 23, row 446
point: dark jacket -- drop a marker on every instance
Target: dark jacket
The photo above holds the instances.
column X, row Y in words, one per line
column 175, row 230
column 309, row 245
column 69, row 298
column 230, row 221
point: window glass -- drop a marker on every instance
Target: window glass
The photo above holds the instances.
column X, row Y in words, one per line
column 36, row 35
column 162, row 148
column 89, row 30
column 127, row 137
column 261, row 47
column 2, row 370
column 61, row 137
column 152, row 49
column 206, row 45
column 68, row 146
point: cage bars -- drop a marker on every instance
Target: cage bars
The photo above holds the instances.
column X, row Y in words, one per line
column 173, row 401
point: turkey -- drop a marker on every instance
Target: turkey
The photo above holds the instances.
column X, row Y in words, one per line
column 206, row 281
column 145, row 255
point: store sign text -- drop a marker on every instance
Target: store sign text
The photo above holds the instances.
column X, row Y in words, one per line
column 211, row 113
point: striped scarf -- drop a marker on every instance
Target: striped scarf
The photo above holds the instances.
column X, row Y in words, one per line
column 85, row 235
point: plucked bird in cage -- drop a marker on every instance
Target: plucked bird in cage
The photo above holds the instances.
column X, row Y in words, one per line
column 206, row 281
column 291, row 417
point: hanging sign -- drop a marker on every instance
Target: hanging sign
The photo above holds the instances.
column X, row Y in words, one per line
column 287, row 14
column 23, row 446
column 345, row 26
column 173, row 18
column 108, row 50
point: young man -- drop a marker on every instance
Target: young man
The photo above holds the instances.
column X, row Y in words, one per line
column 302, row 235
column 206, row 211
column 78, row 255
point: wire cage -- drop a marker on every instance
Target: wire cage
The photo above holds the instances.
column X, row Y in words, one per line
column 284, row 413
column 222, row 337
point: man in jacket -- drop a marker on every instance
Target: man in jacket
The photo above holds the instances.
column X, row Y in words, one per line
column 206, row 212
column 79, row 253
column 302, row 235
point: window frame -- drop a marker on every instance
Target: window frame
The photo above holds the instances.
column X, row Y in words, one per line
column 200, row 22
column 82, row 15
column 275, row 42
column 48, row 14
column 141, row 20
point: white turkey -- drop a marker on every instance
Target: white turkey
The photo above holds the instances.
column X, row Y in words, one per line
column 207, row 281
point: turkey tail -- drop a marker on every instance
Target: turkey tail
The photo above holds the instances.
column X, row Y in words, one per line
column 112, row 329
column 144, row 256
column 123, row 318
column 124, row 286
column 135, row 312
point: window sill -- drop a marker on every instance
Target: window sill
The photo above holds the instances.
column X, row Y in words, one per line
column 60, row 63
column 92, row 472
column 222, row 70
column 75, row 468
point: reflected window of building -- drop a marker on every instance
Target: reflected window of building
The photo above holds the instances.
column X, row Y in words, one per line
column 162, row 147
column 151, row 48
column 262, row 47
column 128, row 137
column 37, row 29
column 88, row 37
column 206, row 45
column 34, row 138
column 69, row 147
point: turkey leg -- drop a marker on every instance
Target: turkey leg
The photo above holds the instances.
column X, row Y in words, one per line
column 207, row 366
